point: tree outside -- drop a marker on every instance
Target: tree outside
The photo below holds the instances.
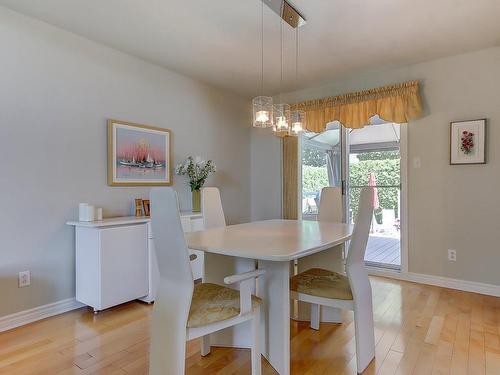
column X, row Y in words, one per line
column 313, row 157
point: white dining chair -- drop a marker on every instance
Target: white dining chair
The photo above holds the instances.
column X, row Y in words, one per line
column 211, row 208
column 330, row 205
column 321, row 287
column 330, row 210
column 213, row 217
column 184, row 311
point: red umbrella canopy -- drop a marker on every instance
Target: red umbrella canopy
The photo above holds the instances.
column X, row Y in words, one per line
column 372, row 182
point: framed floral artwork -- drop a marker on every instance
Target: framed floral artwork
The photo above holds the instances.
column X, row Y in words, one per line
column 468, row 142
column 138, row 155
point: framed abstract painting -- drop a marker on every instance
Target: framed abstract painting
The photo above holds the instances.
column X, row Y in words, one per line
column 468, row 142
column 138, row 155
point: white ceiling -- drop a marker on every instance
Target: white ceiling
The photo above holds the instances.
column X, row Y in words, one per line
column 219, row 41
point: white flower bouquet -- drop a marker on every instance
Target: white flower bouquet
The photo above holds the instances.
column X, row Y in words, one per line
column 197, row 170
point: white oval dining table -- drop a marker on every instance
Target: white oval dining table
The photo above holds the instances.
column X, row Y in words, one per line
column 271, row 245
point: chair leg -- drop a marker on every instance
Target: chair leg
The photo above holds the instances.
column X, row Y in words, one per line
column 315, row 316
column 365, row 335
column 256, row 357
column 205, row 345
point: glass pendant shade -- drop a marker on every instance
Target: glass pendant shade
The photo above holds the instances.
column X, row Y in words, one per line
column 281, row 117
column 262, row 111
column 298, row 121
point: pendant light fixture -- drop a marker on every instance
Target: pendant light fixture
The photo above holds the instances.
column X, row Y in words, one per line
column 278, row 116
column 262, row 105
column 282, row 110
column 298, row 117
column 281, row 117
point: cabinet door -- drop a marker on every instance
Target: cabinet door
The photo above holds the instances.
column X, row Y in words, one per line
column 124, row 264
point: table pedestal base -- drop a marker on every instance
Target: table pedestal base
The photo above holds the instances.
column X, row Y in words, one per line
column 273, row 288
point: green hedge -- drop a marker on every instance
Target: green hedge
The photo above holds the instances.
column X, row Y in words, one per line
column 314, row 178
column 387, row 172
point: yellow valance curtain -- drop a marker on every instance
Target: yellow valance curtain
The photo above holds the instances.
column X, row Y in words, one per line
column 396, row 103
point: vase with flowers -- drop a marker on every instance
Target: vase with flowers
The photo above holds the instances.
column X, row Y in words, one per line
column 197, row 171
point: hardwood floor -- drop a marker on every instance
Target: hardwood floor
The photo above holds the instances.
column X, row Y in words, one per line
column 419, row 330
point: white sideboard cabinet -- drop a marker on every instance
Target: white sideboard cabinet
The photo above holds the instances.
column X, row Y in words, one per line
column 115, row 260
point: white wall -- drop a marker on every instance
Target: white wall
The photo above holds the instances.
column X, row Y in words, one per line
column 56, row 92
column 450, row 207
column 266, row 175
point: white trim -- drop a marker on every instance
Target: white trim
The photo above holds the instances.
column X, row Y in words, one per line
column 403, row 210
column 444, row 282
column 38, row 313
column 300, row 143
column 344, row 173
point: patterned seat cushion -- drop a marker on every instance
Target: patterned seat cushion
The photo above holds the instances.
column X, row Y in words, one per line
column 322, row 283
column 212, row 303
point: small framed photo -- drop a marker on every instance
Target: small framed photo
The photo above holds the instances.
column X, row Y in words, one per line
column 138, row 155
column 146, row 204
column 468, row 142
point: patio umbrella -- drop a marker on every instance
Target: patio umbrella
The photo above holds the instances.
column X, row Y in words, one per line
column 372, row 182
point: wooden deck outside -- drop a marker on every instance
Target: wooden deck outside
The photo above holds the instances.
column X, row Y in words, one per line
column 385, row 250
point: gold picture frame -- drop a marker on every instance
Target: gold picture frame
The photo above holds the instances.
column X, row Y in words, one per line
column 139, row 155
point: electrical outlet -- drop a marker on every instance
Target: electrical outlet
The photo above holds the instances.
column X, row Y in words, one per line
column 24, row 279
column 452, row 255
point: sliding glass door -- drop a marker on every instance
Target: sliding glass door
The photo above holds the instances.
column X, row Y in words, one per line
column 353, row 159
column 375, row 161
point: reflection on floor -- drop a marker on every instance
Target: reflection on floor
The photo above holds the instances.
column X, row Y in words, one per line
column 386, row 250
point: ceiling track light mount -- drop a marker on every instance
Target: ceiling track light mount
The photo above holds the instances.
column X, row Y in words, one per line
column 287, row 12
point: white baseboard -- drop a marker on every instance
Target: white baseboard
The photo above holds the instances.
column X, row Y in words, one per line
column 38, row 313
column 445, row 282
column 32, row 315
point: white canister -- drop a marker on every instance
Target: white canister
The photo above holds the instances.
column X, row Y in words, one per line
column 98, row 214
column 82, row 211
column 90, row 213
